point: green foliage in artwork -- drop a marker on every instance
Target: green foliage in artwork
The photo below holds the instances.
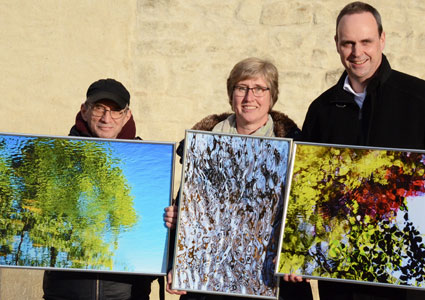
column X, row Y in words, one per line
column 341, row 216
column 71, row 202
column 7, row 224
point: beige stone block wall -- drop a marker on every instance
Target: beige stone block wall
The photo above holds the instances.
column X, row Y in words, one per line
column 174, row 56
column 50, row 51
column 185, row 51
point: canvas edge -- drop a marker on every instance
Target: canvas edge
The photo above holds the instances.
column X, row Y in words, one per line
column 289, row 176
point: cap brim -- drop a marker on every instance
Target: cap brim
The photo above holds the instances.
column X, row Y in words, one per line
column 107, row 96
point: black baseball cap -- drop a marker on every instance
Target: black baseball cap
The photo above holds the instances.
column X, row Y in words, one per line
column 108, row 89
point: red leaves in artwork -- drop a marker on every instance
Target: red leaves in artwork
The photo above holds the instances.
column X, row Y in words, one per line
column 376, row 200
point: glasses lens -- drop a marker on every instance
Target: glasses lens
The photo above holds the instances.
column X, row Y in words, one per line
column 116, row 114
column 240, row 91
column 258, row 91
column 98, row 110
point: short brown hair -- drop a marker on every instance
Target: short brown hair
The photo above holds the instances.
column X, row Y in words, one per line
column 360, row 7
column 254, row 67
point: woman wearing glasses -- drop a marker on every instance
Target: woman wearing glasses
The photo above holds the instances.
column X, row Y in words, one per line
column 252, row 88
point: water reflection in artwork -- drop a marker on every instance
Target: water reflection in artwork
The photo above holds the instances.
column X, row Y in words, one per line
column 230, row 200
column 84, row 204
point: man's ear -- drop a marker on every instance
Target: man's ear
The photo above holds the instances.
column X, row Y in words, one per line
column 336, row 42
column 84, row 112
column 127, row 116
column 382, row 40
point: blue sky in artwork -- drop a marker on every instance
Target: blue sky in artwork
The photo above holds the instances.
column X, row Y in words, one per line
column 147, row 168
column 415, row 207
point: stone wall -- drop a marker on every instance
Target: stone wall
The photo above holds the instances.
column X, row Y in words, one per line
column 174, row 56
column 185, row 51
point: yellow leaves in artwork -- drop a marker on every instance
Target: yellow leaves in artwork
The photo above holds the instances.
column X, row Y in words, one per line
column 32, row 209
column 335, row 249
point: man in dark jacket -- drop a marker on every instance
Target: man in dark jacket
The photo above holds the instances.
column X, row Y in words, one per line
column 105, row 114
column 371, row 105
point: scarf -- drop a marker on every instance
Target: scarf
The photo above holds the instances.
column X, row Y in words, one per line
column 229, row 126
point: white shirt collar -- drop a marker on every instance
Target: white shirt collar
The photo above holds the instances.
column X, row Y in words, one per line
column 358, row 97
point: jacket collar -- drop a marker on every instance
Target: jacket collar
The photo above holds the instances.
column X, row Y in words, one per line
column 282, row 124
column 381, row 76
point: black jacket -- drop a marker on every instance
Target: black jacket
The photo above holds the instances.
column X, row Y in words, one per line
column 393, row 113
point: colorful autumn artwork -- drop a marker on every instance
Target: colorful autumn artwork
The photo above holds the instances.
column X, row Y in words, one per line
column 355, row 214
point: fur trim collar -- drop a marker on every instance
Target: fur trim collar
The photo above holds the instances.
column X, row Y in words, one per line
column 282, row 123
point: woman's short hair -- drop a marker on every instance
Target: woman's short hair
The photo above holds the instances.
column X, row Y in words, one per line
column 254, row 67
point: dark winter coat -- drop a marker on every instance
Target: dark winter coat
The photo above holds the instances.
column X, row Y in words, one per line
column 393, row 113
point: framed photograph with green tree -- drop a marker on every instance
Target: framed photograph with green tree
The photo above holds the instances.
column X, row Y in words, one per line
column 84, row 203
column 355, row 214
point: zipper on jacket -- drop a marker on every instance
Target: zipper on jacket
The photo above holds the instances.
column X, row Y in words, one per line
column 97, row 287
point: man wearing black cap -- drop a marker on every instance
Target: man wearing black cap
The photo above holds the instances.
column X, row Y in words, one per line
column 105, row 114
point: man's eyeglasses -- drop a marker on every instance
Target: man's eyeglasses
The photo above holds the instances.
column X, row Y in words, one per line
column 241, row 91
column 99, row 110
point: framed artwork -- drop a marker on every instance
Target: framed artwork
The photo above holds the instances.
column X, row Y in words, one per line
column 231, row 201
column 355, row 214
column 85, row 204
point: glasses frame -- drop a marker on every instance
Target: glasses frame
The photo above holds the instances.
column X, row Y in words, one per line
column 122, row 112
column 253, row 89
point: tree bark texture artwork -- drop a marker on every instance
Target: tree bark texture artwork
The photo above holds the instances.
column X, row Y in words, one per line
column 355, row 214
column 85, row 204
column 230, row 214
